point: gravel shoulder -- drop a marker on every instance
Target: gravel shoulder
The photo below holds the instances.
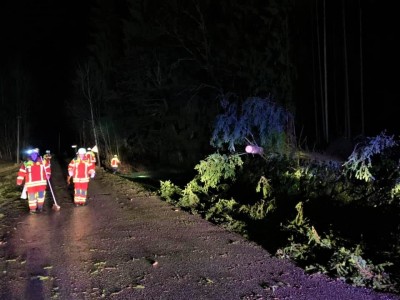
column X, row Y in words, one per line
column 129, row 244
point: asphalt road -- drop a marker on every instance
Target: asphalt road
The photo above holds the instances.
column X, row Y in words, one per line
column 126, row 244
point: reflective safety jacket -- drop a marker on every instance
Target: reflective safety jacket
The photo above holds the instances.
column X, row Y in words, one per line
column 35, row 175
column 80, row 169
column 91, row 156
column 115, row 162
column 47, row 157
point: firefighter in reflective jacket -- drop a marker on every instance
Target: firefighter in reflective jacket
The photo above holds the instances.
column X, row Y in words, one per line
column 90, row 155
column 115, row 162
column 34, row 172
column 81, row 169
column 47, row 156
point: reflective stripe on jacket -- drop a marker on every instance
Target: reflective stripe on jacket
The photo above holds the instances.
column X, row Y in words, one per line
column 81, row 169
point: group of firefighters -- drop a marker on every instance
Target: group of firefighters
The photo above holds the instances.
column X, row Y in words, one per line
column 35, row 173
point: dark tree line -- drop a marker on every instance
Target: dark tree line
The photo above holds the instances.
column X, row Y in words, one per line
column 172, row 62
column 151, row 84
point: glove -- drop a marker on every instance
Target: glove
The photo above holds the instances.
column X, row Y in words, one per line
column 92, row 176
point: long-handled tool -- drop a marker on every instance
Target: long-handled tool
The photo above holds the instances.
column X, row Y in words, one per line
column 55, row 207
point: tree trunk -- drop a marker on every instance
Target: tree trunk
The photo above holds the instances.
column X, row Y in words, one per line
column 361, row 75
column 325, row 114
column 347, row 123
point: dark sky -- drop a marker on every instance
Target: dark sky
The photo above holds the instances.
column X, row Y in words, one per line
column 46, row 38
column 50, row 37
column 381, row 54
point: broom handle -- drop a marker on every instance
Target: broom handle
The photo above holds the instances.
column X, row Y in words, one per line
column 52, row 193
column 48, row 181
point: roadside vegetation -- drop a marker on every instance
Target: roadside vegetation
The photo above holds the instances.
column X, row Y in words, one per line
column 340, row 218
column 11, row 206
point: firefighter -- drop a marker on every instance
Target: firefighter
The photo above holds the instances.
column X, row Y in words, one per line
column 115, row 162
column 81, row 169
column 91, row 156
column 35, row 173
column 47, row 157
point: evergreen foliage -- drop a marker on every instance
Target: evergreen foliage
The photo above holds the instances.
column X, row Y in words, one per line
column 344, row 263
column 190, row 196
column 169, row 191
column 360, row 161
column 222, row 211
column 217, row 167
column 258, row 210
column 259, row 121
column 298, row 195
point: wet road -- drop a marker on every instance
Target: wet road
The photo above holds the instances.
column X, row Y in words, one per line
column 133, row 246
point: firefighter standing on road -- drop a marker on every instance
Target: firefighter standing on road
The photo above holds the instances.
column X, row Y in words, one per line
column 47, row 157
column 34, row 172
column 90, row 155
column 81, row 169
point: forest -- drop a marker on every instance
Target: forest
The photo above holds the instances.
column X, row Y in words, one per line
column 140, row 77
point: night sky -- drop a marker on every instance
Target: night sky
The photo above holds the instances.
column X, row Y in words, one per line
column 47, row 38
column 382, row 77
column 50, row 37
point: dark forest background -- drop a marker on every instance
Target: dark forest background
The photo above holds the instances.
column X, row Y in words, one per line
column 144, row 79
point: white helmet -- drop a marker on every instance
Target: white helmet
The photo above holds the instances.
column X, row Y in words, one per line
column 82, row 151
